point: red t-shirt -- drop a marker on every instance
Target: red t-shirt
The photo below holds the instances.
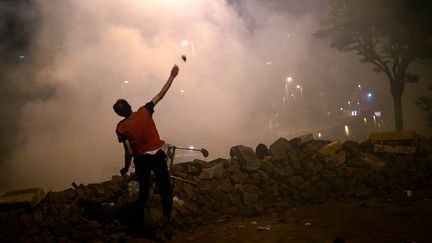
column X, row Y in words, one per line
column 140, row 129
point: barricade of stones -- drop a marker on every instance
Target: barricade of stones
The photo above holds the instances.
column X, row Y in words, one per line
column 298, row 171
column 63, row 217
column 249, row 183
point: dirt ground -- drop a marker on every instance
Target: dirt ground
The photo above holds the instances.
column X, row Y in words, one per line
column 394, row 217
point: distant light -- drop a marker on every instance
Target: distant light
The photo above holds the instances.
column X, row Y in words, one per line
column 185, row 43
column 319, row 135
column 298, row 86
column 353, row 113
column 21, row 56
column 365, row 120
column 349, row 102
column 269, row 63
column 289, row 79
column 377, row 114
column 126, row 81
column 359, row 86
column 182, row 91
column 369, row 96
column 358, row 103
column 341, row 109
column 191, row 147
column 347, row 130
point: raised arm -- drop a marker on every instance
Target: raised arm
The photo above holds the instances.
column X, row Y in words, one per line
column 161, row 94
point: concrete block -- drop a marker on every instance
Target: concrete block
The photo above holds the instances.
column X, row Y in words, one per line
column 281, row 146
column 331, row 148
column 21, row 199
column 297, row 141
column 383, row 148
column 247, row 158
column 392, row 136
column 336, row 160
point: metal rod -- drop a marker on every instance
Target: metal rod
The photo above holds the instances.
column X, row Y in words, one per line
column 181, row 179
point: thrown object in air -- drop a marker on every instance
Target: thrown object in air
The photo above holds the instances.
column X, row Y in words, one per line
column 184, row 58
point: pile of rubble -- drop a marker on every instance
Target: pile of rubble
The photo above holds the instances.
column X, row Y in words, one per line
column 249, row 183
column 301, row 171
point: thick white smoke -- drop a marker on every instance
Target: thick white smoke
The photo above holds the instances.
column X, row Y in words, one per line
column 222, row 97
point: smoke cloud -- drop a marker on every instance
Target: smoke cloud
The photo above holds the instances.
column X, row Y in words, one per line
column 238, row 58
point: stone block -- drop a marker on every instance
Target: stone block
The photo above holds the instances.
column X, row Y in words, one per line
column 336, row 160
column 352, row 147
column 396, row 149
column 262, row 151
column 249, row 198
column 239, row 178
column 247, row 158
column 297, row 141
column 392, row 136
column 372, row 162
column 21, row 198
column 216, row 171
column 225, row 185
column 280, row 147
column 330, row 148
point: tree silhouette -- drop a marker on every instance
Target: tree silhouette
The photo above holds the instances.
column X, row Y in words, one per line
column 389, row 34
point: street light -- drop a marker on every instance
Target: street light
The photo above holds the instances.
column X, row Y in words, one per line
column 301, row 100
column 123, row 84
column 301, row 90
column 186, row 43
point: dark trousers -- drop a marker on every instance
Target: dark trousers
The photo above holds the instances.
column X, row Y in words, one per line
column 143, row 167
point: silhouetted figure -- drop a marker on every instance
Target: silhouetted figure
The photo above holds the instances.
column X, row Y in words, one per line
column 141, row 141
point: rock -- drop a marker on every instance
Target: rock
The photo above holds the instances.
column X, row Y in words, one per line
column 225, row 185
column 262, row 151
column 336, row 160
column 249, row 198
column 247, row 158
column 216, row 171
column 296, row 142
column 266, row 165
column 294, row 160
column 280, row 147
column 372, row 162
column 392, row 136
column 21, row 198
column 239, row 178
column 396, row 149
column 330, row 148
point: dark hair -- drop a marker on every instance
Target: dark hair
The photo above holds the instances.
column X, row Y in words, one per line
column 122, row 108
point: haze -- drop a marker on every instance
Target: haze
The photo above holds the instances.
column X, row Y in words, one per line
column 239, row 55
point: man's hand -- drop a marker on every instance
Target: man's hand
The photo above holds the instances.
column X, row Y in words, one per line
column 123, row 172
column 167, row 85
column 174, row 71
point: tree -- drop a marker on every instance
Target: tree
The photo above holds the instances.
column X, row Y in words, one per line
column 389, row 34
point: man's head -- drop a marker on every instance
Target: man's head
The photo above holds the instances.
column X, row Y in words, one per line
column 122, row 108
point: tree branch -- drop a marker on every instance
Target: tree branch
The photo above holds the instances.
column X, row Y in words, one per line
column 368, row 51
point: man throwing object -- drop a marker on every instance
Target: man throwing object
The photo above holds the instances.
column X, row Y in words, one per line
column 141, row 141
